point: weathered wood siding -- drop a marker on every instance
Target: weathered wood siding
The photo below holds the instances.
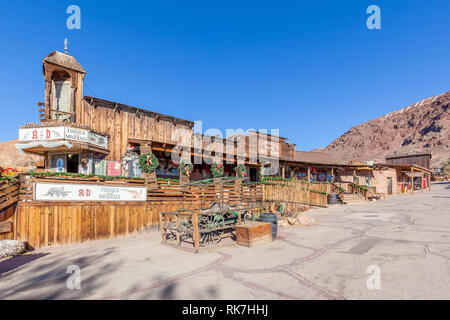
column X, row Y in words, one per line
column 42, row 224
column 422, row 160
column 123, row 123
column 8, row 215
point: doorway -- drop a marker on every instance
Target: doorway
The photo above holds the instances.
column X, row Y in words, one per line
column 72, row 163
column 253, row 173
column 389, row 185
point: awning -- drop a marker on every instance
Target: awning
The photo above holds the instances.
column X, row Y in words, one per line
column 46, row 144
column 64, row 146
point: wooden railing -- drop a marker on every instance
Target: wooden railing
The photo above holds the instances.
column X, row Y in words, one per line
column 54, row 114
column 362, row 190
column 9, row 196
column 9, row 193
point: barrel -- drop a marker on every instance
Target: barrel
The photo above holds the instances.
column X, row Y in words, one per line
column 332, row 198
column 272, row 218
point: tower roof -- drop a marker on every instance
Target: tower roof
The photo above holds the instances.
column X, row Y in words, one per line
column 64, row 60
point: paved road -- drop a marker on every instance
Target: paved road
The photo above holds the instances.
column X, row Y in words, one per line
column 405, row 238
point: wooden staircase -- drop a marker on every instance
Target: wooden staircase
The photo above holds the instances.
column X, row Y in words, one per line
column 353, row 198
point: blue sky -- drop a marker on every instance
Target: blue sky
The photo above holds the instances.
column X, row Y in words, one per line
column 309, row 68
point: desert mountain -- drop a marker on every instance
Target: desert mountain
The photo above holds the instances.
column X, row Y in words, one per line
column 10, row 157
column 422, row 126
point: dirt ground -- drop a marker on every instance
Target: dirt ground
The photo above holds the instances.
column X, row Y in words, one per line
column 404, row 242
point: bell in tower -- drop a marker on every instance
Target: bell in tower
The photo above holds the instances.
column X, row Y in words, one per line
column 63, row 86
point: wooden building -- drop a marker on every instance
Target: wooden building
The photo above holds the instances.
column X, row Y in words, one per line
column 421, row 159
column 78, row 132
column 88, row 135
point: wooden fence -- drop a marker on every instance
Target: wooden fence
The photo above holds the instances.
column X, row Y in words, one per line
column 44, row 223
column 295, row 194
column 9, row 196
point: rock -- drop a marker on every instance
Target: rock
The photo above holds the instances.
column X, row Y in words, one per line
column 305, row 220
column 11, row 248
column 291, row 221
column 283, row 223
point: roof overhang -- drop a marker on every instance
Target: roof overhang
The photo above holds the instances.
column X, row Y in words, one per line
column 61, row 146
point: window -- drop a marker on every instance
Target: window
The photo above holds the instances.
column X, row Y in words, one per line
column 61, row 99
column 58, row 162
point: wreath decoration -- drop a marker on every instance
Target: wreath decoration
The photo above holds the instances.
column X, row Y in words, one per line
column 148, row 162
column 217, row 170
column 241, row 171
column 186, row 167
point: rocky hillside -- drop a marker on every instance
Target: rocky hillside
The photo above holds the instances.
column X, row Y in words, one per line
column 10, row 157
column 422, row 126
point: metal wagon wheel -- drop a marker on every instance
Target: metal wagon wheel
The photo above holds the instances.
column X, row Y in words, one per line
column 213, row 237
column 249, row 216
column 186, row 229
column 171, row 234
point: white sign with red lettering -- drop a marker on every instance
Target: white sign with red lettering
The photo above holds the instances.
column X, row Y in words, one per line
column 36, row 134
column 45, row 191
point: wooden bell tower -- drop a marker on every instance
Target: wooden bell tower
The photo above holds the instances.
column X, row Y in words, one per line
column 63, row 77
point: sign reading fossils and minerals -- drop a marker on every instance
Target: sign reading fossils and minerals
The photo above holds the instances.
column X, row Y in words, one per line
column 45, row 191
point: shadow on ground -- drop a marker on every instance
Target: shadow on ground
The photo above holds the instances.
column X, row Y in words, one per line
column 162, row 288
column 49, row 280
column 18, row 261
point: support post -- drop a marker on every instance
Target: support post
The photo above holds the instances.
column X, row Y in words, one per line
column 429, row 181
column 412, row 180
column 421, row 181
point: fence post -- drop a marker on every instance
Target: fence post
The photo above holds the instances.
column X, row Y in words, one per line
column 177, row 224
column 196, row 235
column 161, row 225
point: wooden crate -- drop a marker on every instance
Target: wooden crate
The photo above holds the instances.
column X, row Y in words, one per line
column 253, row 233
